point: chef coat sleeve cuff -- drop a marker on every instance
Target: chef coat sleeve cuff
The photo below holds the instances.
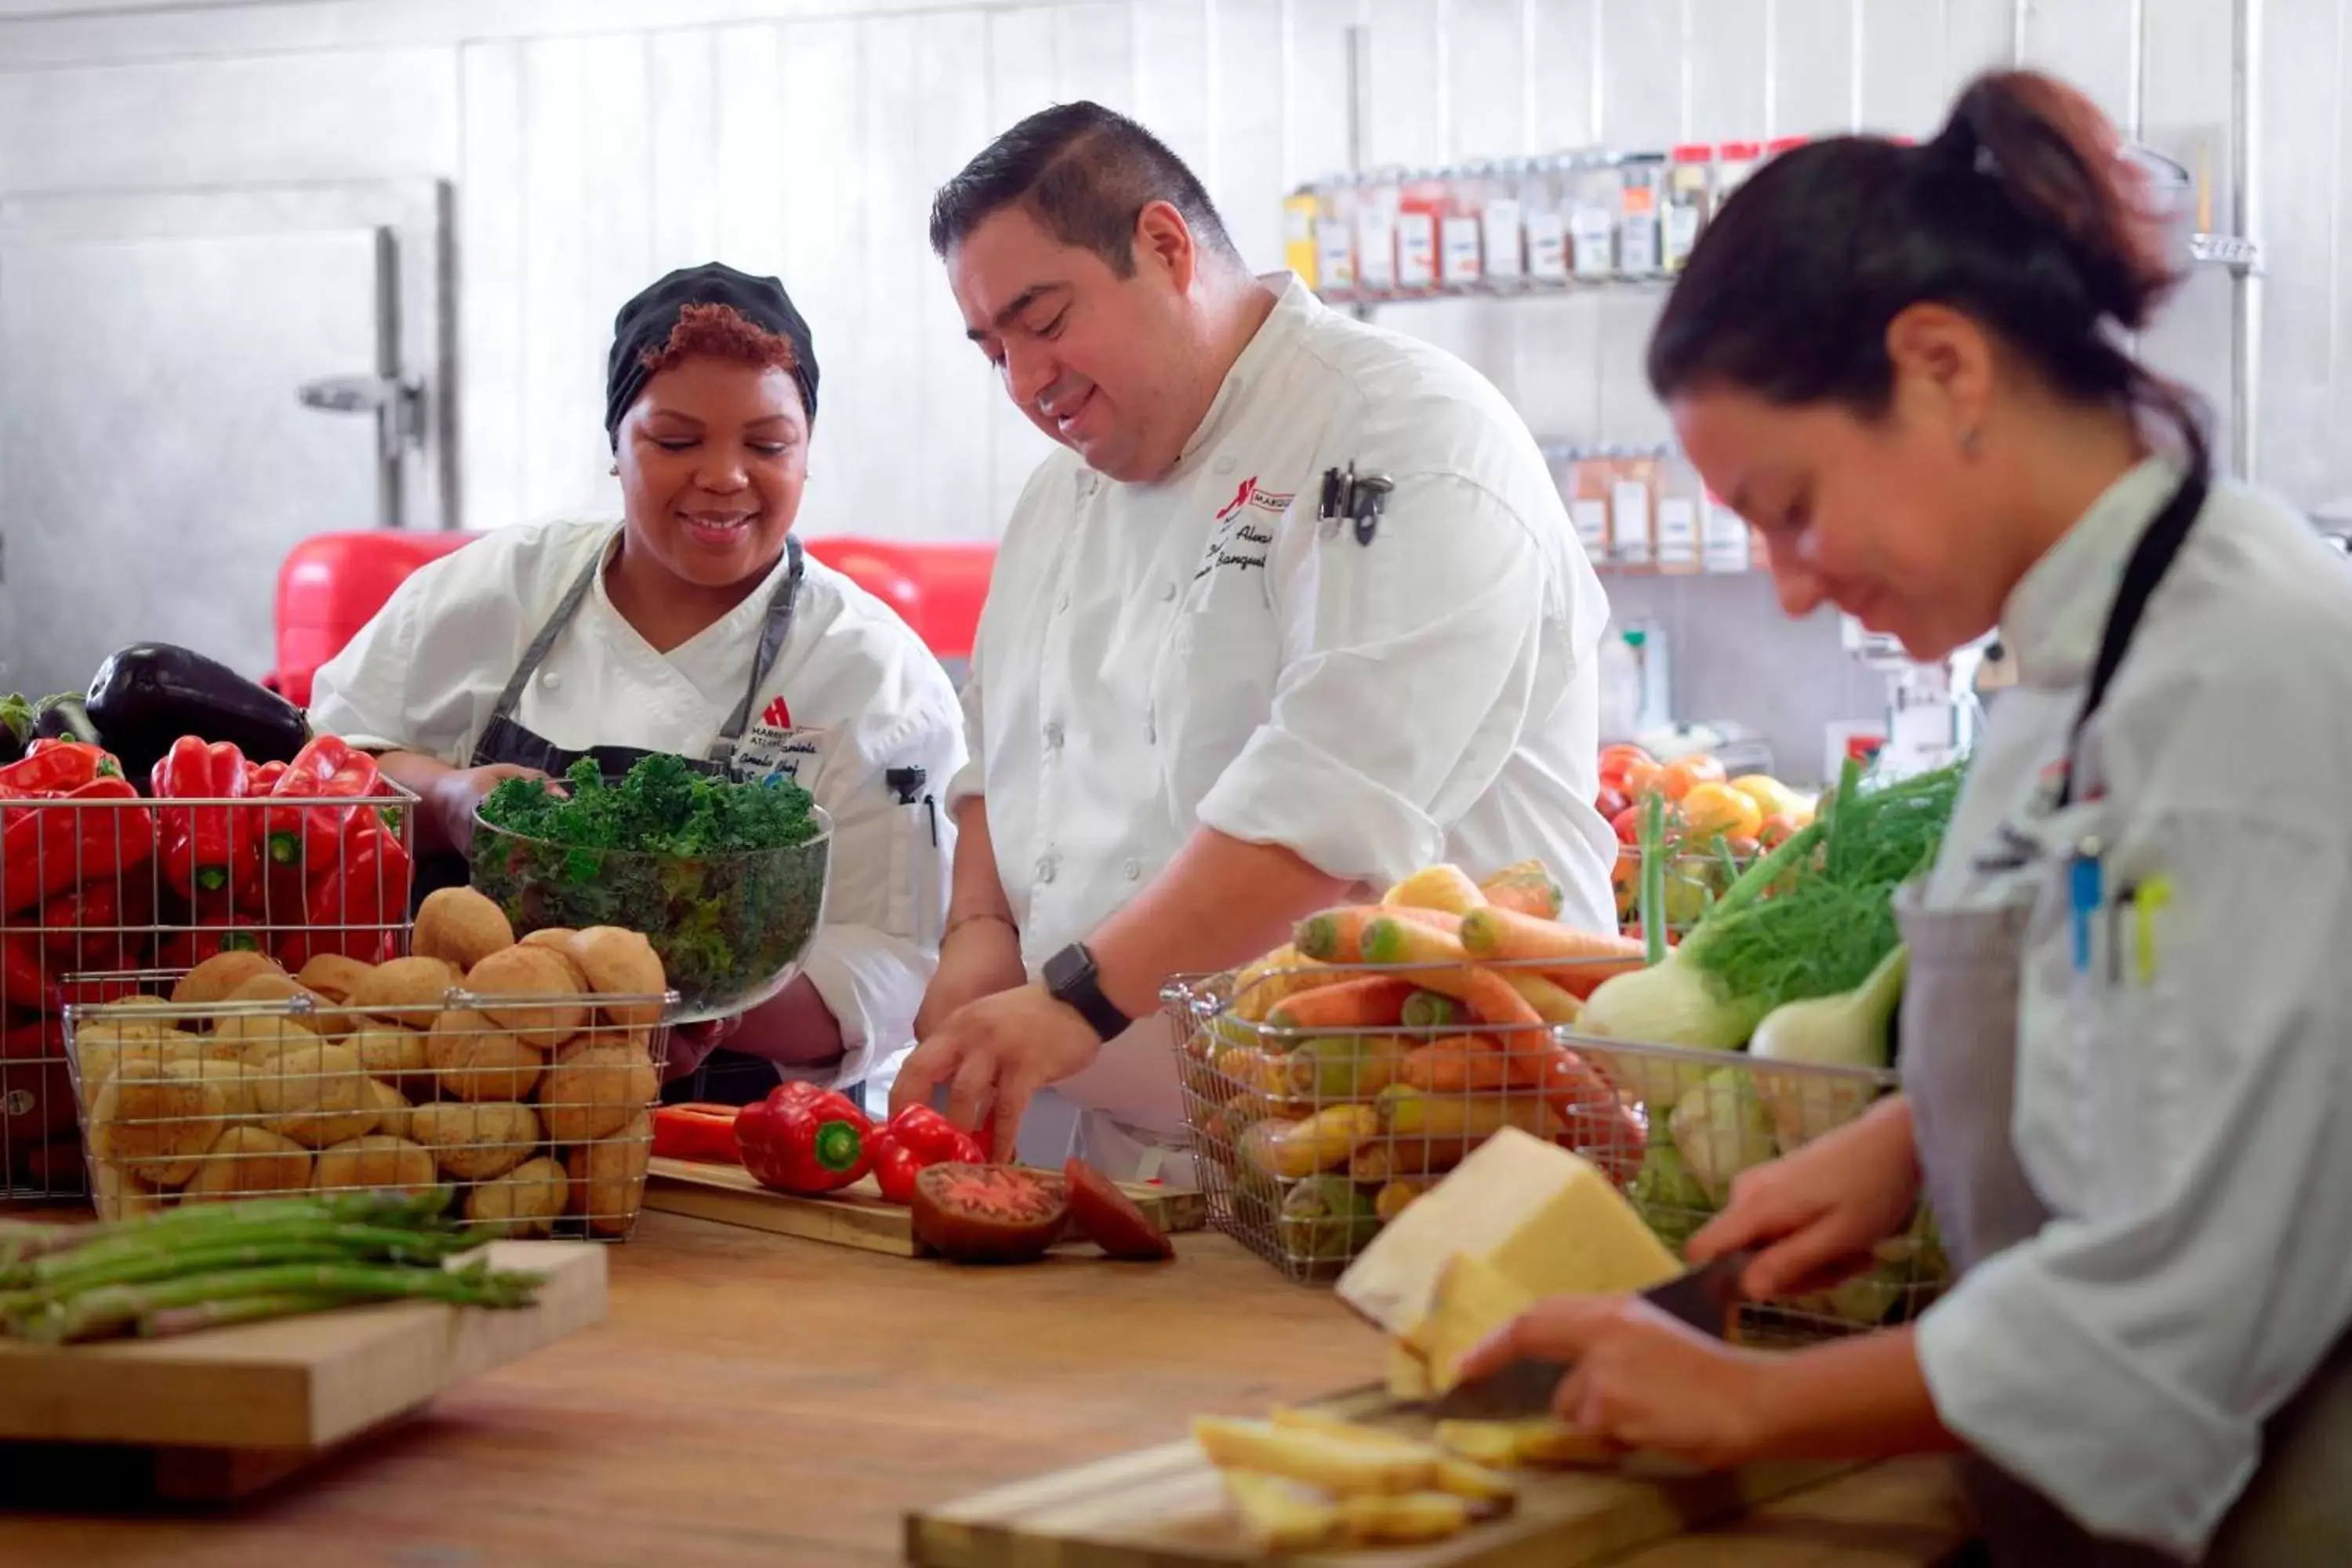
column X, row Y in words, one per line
column 871, row 982
column 1283, row 789
column 2035, row 1389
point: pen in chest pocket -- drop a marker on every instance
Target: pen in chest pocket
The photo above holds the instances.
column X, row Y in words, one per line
column 2084, row 888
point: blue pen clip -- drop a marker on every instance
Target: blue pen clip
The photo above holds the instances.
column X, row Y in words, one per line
column 2084, row 880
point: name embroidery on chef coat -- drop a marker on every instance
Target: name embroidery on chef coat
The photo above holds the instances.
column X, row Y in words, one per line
column 1240, row 541
column 774, row 747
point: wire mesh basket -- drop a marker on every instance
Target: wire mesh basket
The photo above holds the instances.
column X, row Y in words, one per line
column 1307, row 1141
column 535, row 1110
column 101, row 882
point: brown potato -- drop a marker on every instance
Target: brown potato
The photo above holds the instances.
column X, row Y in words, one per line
column 376, row 1161
column 395, row 1055
column 156, row 1119
column 526, row 1201
column 315, row 1094
column 255, row 1039
column 571, row 966
column 557, row 937
column 406, row 991
column 476, row 1143
column 392, row 1109
column 98, row 1047
column 620, row 963
column 249, row 1162
column 121, row 1195
column 608, row 1178
column 473, row 1058
column 462, row 926
column 214, row 979
column 521, row 972
column 236, row 1087
column 324, row 1019
column 595, row 1088
column 334, row 976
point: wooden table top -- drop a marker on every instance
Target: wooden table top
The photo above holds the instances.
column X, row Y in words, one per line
column 755, row 1399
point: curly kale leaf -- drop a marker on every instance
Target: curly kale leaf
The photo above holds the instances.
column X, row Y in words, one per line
column 661, row 807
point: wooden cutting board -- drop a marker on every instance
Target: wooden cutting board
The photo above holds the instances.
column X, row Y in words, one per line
column 855, row 1216
column 297, row 1386
column 1165, row 1508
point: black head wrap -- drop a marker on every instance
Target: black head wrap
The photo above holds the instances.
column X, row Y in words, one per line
column 646, row 322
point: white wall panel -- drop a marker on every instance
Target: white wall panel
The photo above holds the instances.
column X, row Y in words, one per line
column 563, row 375
column 682, row 136
column 1569, row 89
column 1250, row 132
column 1729, row 70
column 492, row 442
column 820, row 158
column 2091, row 43
column 1487, row 82
column 1642, row 95
column 1814, row 65
column 1404, row 119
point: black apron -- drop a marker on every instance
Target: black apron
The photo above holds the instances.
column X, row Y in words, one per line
column 725, row 1077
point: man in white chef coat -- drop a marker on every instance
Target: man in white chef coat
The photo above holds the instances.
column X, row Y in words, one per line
column 1198, row 709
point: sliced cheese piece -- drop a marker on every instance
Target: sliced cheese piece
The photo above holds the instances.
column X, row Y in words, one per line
column 1474, row 1300
column 1547, row 1220
column 1408, row 1375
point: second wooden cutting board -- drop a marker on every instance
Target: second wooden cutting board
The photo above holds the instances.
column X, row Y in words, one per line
column 1166, row 1508
column 855, row 1216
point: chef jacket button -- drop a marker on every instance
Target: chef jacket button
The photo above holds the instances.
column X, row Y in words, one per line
column 1054, row 733
column 1167, row 593
column 1132, row 870
column 550, row 680
column 1223, row 465
column 1046, row 869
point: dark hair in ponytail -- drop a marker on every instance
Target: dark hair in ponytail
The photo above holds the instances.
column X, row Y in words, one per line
column 2024, row 213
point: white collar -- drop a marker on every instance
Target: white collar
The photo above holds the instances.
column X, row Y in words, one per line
column 2052, row 619
column 750, row 612
column 1295, row 305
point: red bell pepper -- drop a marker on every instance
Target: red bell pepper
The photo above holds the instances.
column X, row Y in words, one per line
column 43, row 1039
column 184, row 949
column 213, row 848
column 24, row 981
column 56, row 769
column 48, row 846
column 279, row 888
column 361, row 898
column 915, row 1138
column 100, row 925
column 696, row 1131
column 803, row 1138
column 309, row 835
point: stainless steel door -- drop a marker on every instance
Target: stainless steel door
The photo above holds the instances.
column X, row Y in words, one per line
column 190, row 384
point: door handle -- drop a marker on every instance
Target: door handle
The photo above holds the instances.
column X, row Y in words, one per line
column 398, row 405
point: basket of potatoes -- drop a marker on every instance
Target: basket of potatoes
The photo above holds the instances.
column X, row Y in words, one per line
column 518, row 1074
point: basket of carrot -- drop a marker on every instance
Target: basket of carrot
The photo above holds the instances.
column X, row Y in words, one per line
column 1330, row 1082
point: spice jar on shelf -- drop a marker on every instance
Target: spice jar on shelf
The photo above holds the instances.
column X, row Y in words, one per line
column 1420, row 207
column 1544, row 201
column 1686, row 205
column 1376, row 232
column 1502, row 221
column 1460, row 232
column 1681, row 509
column 1734, row 163
column 1723, row 542
column 1632, row 491
column 1595, row 194
column 1589, row 475
column 1299, row 210
column 1641, row 177
column 1335, row 234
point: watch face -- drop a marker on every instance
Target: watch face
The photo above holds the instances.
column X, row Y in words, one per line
column 1065, row 967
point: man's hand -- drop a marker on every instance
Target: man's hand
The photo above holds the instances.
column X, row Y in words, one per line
column 1814, row 1216
column 690, row 1044
column 455, row 796
column 1641, row 1380
column 996, row 1054
column 980, row 958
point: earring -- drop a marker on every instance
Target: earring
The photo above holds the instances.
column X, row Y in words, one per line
column 1971, row 439
column 615, row 470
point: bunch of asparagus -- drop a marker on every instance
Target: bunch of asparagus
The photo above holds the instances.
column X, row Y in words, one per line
column 202, row 1266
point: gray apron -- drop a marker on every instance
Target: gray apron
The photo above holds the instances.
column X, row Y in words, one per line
column 725, row 1077
column 1959, row 1034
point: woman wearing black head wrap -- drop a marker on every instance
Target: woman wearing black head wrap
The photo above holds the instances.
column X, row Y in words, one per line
column 698, row 628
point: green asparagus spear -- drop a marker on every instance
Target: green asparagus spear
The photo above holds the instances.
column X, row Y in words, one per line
column 220, row 1314
column 97, row 1313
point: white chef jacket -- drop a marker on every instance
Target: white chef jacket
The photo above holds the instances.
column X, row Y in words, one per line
column 1200, row 651
column 425, row 673
column 2190, row 1131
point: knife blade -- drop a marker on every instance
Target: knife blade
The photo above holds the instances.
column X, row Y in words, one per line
column 1705, row 1299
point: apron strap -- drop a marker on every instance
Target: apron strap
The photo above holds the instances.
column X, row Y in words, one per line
column 2150, row 559
column 536, row 654
column 782, row 606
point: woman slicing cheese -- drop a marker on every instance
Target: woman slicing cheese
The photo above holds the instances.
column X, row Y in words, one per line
column 694, row 627
column 2127, row 1028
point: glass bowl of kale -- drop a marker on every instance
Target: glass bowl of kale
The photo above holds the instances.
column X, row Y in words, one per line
column 726, row 879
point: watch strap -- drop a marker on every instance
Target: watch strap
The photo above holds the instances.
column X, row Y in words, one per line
column 1071, row 979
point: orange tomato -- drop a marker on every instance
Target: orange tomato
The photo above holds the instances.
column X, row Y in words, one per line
column 1616, row 760
column 1713, row 807
column 1641, row 777
column 1681, row 775
column 1768, row 793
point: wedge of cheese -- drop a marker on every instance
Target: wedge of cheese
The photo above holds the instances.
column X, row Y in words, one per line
column 1539, row 1218
column 1474, row 1298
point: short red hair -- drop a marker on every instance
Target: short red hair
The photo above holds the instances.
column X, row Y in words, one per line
column 720, row 332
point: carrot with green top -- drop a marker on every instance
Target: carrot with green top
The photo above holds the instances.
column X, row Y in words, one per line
column 1373, row 1002
column 1576, row 961
column 1433, row 1010
column 1553, row 1003
column 1337, row 936
column 1490, row 997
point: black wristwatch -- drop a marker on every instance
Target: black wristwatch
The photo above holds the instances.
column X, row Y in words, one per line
column 1070, row 979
